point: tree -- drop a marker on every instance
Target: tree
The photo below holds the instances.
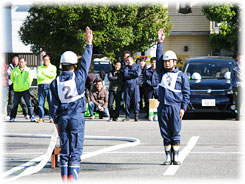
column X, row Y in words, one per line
column 58, row 28
column 228, row 17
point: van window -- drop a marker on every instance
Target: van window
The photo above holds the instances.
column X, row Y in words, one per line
column 209, row 70
column 101, row 65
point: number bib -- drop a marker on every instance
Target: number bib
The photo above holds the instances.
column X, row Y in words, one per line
column 169, row 80
column 67, row 90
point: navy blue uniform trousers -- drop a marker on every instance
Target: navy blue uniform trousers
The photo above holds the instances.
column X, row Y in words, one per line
column 71, row 132
column 132, row 93
column 169, row 123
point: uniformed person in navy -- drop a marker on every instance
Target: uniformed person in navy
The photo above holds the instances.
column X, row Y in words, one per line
column 131, row 73
column 68, row 107
column 152, row 82
column 173, row 95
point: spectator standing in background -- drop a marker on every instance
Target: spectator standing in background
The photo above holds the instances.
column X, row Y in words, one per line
column 22, row 79
column 131, row 73
column 152, row 81
column 115, row 91
column 46, row 73
column 126, row 54
column 11, row 66
column 143, row 92
column 5, row 85
column 236, row 85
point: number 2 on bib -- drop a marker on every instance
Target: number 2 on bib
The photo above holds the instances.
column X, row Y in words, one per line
column 67, row 91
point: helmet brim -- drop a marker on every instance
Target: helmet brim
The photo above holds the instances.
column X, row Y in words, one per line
column 68, row 63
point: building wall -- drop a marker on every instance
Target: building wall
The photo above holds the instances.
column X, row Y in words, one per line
column 197, row 45
column 7, row 30
column 194, row 21
column 191, row 30
column 14, row 17
column 19, row 14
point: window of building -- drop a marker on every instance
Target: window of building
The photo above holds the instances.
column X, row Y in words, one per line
column 185, row 8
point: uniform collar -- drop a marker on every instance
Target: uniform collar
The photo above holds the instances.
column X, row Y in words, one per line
column 151, row 69
column 66, row 73
column 176, row 70
column 133, row 64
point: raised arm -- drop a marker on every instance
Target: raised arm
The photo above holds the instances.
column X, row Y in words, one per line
column 159, row 53
column 87, row 55
column 89, row 35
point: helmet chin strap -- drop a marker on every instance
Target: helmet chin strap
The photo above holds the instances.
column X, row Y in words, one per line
column 169, row 69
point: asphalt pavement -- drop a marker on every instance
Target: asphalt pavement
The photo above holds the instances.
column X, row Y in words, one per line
column 211, row 150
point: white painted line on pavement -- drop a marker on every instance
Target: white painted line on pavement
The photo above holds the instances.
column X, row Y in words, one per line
column 218, row 152
column 43, row 159
column 137, row 152
column 172, row 169
column 27, row 153
column 131, row 142
column 28, row 166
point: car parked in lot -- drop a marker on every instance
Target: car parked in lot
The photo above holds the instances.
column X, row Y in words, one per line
column 210, row 85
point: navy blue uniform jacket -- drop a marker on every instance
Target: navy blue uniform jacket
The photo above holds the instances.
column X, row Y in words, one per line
column 168, row 97
column 132, row 75
column 78, row 106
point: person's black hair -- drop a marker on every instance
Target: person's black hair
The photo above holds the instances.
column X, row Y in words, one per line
column 22, row 58
column 126, row 52
column 99, row 80
column 46, row 55
column 15, row 56
column 68, row 67
column 153, row 58
column 138, row 59
column 113, row 67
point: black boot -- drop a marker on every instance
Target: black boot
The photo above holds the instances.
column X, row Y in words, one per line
column 136, row 117
column 115, row 119
column 168, row 155
column 175, row 155
column 126, row 117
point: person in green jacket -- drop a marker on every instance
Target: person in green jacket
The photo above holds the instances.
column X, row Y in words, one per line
column 46, row 73
column 22, row 79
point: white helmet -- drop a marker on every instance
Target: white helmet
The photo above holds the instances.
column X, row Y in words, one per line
column 168, row 55
column 196, row 76
column 68, row 58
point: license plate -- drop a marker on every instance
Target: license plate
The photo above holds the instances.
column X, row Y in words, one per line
column 208, row 102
